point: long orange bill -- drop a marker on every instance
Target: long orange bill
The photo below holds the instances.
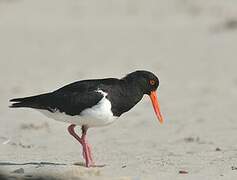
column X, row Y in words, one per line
column 156, row 106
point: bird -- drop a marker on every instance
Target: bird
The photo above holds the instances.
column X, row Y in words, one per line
column 94, row 103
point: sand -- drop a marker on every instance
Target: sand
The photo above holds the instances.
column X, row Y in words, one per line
column 190, row 45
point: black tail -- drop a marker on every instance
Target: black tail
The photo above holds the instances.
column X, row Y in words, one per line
column 38, row 102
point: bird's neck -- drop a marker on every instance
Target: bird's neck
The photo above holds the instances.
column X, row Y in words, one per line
column 126, row 96
column 134, row 85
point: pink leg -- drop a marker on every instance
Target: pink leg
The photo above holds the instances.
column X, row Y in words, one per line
column 90, row 154
column 82, row 141
column 87, row 145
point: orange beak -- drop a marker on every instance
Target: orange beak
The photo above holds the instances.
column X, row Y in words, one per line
column 156, row 106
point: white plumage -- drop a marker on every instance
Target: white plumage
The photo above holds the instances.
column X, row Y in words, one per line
column 98, row 115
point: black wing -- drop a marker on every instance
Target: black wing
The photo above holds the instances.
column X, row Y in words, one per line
column 71, row 99
column 74, row 102
column 70, row 103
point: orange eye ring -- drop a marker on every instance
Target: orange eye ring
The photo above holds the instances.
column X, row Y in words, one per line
column 152, row 82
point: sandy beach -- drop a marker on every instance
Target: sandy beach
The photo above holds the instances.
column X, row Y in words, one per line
column 191, row 46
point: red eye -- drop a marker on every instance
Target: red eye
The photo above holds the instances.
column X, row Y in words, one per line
column 152, row 82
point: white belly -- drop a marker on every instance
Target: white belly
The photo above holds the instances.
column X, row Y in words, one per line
column 98, row 115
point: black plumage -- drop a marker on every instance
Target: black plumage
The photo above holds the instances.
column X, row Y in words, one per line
column 73, row 98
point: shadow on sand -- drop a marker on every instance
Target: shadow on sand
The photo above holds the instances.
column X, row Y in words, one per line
column 72, row 171
column 31, row 163
column 21, row 176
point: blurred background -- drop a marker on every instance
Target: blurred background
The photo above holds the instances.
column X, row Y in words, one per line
column 190, row 45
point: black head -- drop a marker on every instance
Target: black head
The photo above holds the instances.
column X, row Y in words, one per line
column 146, row 80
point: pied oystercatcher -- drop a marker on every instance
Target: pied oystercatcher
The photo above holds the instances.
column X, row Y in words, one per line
column 94, row 102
